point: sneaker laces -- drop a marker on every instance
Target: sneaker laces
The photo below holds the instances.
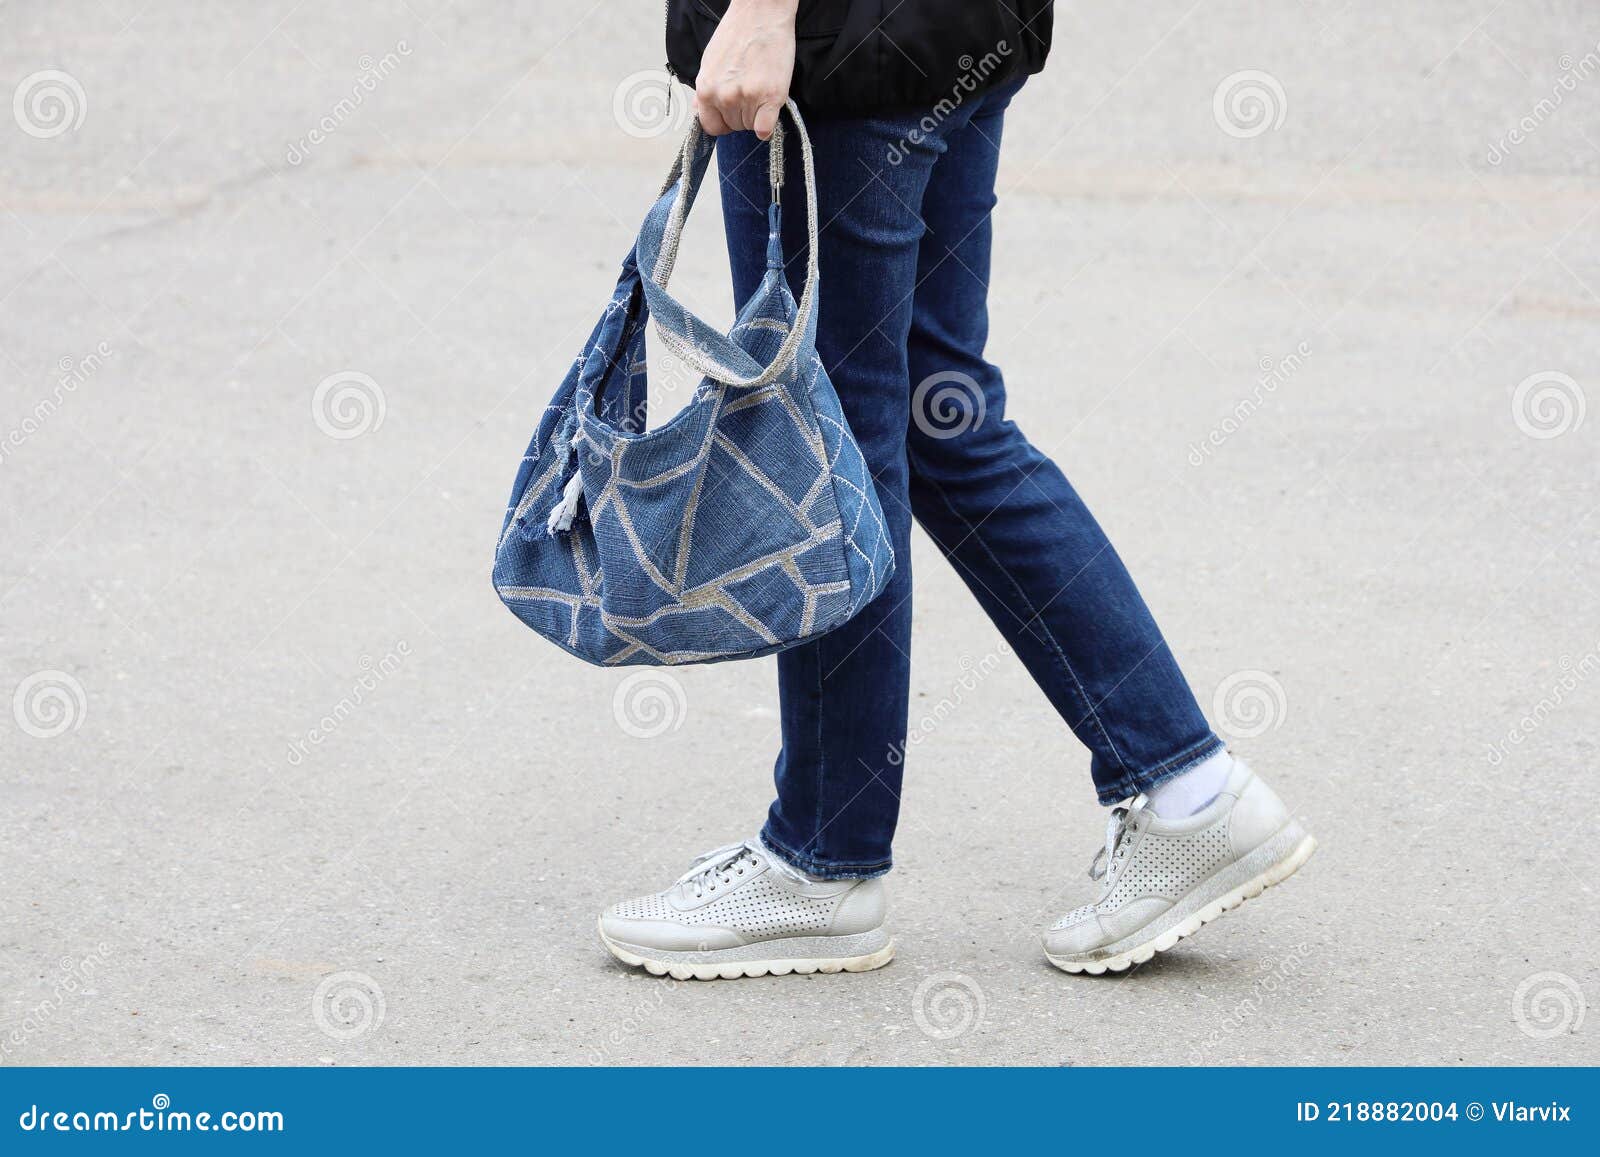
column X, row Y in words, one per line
column 718, row 867
column 1123, row 820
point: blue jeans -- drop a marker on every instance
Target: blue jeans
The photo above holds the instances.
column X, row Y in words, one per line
column 904, row 206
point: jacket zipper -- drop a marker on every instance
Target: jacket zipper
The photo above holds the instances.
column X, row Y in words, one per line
column 672, row 73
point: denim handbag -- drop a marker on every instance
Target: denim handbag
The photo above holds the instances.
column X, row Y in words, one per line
column 748, row 523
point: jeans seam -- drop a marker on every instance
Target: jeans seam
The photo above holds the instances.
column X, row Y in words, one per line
column 976, row 534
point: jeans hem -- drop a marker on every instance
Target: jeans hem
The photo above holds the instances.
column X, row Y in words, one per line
column 1131, row 783
column 827, row 869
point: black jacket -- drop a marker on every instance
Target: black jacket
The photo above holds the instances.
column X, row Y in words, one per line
column 863, row 56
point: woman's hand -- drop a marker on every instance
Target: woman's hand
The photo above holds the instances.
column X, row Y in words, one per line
column 745, row 70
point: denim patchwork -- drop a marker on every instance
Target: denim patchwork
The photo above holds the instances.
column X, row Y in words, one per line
column 746, row 525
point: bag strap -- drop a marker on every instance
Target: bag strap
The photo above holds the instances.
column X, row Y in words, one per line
column 698, row 344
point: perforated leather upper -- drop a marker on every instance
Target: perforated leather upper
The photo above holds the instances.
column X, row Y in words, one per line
column 1169, row 865
column 745, row 893
column 760, row 907
column 1160, row 859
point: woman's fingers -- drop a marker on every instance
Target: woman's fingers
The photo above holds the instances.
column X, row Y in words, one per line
column 734, row 111
column 766, row 119
column 721, row 109
column 711, row 119
column 746, row 67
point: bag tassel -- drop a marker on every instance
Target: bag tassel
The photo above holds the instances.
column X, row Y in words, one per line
column 560, row 520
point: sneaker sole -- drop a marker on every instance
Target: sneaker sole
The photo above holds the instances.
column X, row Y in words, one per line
column 725, row 964
column 1302, row 844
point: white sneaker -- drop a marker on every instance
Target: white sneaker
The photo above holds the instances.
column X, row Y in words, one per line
column 1165, row 878
column 740, row 911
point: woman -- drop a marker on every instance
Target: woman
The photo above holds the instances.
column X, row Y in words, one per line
column 907, row 103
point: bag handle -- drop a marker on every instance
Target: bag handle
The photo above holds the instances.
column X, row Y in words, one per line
column 698, row 344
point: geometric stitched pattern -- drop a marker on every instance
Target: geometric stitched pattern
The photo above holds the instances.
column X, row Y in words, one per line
column 747, row 524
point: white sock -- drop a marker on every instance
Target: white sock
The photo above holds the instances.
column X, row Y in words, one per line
column 784, row 865
column 1193, row 788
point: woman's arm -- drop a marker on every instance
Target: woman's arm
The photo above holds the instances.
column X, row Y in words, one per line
column 746, row 67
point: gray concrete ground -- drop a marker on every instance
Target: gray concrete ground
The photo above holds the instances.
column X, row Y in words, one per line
column 284, row 783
